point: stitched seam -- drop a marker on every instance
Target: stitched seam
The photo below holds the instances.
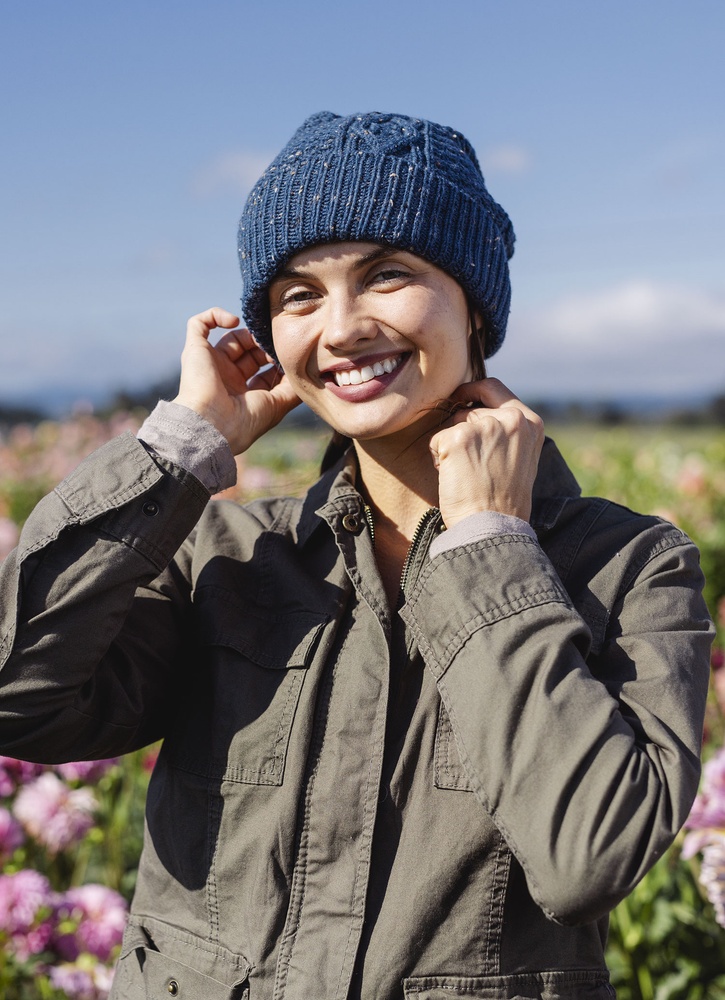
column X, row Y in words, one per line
column 533, row 884
column 499, row 613
column 140, row 546
column 663, row 545
column 370, row 808
column 575, row 540
column 498, row 904
column 138, row 919
column 287, row 713
column 298, row 886
column 507, row 610
column 214, row 814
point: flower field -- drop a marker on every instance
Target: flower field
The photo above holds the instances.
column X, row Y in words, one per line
column 70, row 835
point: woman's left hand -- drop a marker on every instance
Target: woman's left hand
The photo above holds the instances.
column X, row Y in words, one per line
column 488, row 455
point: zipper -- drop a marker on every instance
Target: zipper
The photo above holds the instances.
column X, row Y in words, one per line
column 371, row 523
column 432, row 514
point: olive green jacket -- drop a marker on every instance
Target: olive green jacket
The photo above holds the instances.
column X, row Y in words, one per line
column 441, row 802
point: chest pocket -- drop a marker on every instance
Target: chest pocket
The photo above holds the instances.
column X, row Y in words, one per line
column 448, row 771
column 247, row 677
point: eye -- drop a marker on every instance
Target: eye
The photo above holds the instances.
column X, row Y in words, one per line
column 390, row 275
column 296, row 298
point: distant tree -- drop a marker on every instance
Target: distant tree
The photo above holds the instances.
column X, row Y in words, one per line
column 11, row 415
column 716, row 409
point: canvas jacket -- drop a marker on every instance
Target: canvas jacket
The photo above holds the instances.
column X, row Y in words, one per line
column 443, row 801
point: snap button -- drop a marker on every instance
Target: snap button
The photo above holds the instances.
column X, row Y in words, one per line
column 173, row 987
column 351, row 522
column 150, row 508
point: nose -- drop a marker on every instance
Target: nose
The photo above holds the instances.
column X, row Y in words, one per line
column 346, row 323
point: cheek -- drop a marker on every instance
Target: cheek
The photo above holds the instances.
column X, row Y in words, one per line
column 289, row 350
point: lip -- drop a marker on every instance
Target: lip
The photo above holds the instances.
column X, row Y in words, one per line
column 365, row 390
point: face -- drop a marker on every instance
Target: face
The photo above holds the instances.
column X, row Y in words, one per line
column 371, row 338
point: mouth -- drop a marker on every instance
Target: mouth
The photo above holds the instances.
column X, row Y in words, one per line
column 365, row 373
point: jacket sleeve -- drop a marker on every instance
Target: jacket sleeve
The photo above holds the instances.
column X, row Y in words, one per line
column 91, row 612
column 587, row 760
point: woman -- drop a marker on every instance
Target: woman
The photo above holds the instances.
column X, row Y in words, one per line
column 398, row 760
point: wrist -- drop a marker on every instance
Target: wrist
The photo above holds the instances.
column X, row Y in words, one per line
column 179, row 433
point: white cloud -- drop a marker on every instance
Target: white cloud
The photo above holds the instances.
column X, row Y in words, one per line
column 505, row 159
column 233, row 172
column 635, row 338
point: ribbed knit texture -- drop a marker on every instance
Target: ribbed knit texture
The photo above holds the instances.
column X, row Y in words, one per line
column 381, row 178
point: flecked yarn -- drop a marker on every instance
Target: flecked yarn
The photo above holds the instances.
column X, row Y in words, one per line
column 382, row 178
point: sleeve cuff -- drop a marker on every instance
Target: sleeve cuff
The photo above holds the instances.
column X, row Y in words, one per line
column 485, row 524
column 179, row 435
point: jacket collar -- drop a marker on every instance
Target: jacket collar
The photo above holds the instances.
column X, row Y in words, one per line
column 555, row 485
column 333, row 489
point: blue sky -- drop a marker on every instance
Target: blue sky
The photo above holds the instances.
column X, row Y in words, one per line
column 132, row 132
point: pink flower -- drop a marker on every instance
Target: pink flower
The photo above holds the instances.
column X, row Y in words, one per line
column 15, row 772
column 99, row 917
column 9, row 535
column 11, row 835
column 708, row 809
column 150, row 757
column 692, row 478
column 712, row 876
column 82, row 980
column 26, row 904
column 86, row 770
column 53, row 813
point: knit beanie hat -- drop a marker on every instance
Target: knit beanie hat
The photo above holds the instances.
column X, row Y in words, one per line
column 381, row 178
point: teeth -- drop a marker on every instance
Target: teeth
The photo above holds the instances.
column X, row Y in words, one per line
column 356, row 376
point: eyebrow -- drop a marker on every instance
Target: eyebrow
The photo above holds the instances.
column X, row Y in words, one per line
column 362, row 261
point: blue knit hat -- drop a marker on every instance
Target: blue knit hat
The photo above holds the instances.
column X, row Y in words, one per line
column 381, row 178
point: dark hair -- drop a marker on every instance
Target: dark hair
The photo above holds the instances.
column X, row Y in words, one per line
column 339, row 443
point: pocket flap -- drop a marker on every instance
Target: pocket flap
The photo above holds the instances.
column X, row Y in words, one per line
column 276, row 640
column 148, row 966
column 576, row 984
column 166, row 977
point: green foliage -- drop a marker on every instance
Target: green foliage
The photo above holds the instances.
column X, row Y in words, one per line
column 664, row 943
column 22, row 496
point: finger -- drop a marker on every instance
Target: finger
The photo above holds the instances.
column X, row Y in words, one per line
column 242, row 351
column 267, row 378
column 489, row 391
column 492, row 394
column 203, row 323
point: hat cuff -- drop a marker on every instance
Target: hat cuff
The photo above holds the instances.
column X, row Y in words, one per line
column 358, row 196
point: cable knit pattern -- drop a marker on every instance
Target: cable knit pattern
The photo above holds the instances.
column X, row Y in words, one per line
column 382, row 178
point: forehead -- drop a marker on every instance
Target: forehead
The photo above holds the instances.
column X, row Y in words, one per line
column 351, row 251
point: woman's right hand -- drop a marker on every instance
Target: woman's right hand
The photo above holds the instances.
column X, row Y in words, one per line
column 224, row 383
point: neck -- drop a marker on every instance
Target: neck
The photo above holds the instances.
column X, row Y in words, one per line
column 399, row 484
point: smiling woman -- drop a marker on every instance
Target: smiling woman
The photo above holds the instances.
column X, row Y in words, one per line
column 343, row 309
column 424, row 727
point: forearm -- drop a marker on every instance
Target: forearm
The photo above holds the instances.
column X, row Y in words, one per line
column 72, row 680
column 588, row 762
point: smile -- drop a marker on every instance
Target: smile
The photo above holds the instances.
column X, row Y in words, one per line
column 356, row 376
